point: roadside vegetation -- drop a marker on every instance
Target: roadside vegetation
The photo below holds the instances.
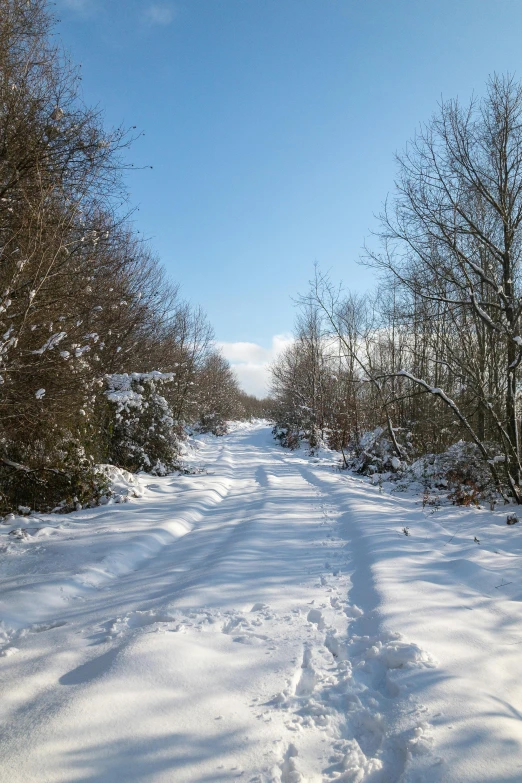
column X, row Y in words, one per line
column 101, row 359
column 432, row 356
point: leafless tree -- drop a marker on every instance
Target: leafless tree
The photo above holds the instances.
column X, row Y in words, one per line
column 452, row 238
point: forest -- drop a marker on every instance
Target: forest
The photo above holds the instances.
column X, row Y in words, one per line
column 431, row 358
column 101, row 359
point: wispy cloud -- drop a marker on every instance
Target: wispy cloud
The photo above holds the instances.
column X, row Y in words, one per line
column 161, row 14
column 82, row 7
column 251, row 362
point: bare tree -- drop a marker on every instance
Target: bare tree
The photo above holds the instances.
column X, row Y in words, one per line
column 82, row 298
column 453, row 239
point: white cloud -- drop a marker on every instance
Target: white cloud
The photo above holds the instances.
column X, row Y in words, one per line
column 160, row 14
column 82, row 7
column 251, row 362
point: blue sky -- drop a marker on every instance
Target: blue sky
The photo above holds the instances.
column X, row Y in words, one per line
column 271, row 126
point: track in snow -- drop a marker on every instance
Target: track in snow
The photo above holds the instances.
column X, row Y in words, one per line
column 226, row 626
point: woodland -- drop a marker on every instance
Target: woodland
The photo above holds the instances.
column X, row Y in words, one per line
column 430, row 358
column 101, row 359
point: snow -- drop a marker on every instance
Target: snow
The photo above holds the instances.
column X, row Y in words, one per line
column 263, row 619
column 120, row 389
column 396, row 463
column 54, row 340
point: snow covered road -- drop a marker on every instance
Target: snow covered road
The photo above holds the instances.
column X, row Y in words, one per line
column 266, row 620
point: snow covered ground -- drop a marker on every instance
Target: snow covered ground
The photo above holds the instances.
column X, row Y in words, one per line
column 267, row 620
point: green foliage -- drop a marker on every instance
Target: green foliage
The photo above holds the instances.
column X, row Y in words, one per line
column 142, row 433
column 43, row 479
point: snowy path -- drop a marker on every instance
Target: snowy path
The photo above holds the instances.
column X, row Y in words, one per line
column 265, row 621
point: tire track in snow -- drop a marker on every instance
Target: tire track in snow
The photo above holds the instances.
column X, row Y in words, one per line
column 341, row 680
column 43, row 602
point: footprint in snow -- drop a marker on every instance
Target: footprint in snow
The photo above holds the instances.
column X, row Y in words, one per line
column 289, row 771
column 315, row 616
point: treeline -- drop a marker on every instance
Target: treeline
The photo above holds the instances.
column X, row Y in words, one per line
column 434, row 354
column 100, row 358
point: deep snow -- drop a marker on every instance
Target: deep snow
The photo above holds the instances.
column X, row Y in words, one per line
column 266, row 620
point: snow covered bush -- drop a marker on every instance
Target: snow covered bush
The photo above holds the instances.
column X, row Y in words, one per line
column 375, row 453
column 461, row 470
column 287, row 436
column 142, row 433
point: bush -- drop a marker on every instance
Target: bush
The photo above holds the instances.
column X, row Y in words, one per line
column 142, row 433
column 44, row 479
column 461, row 469
column 287, row 436
column 374, row 453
